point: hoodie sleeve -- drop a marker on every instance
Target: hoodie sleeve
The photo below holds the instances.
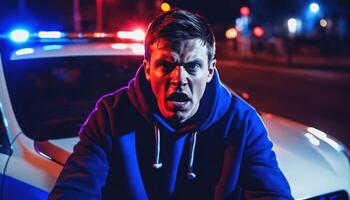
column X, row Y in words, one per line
column 260, row 175
column 85, row 172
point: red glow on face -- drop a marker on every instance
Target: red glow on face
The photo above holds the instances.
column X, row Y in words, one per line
column 244, row 11
column 258, row 31
column 184, row 71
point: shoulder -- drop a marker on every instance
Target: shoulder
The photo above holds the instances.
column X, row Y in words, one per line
column 113, row 99
column 119, row 112
column 109, row 108
column 115, row 103
column 112, row 116
column 244, row 120
column 241, row 108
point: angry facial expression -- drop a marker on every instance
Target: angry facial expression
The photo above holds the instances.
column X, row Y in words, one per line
column 178, row 76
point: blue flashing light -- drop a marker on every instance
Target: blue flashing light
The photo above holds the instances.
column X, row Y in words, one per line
column 24, row 51
column 50, row 34
column 19, row 35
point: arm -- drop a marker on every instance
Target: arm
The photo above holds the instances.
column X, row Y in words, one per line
column 260, row 175
column 85, row 172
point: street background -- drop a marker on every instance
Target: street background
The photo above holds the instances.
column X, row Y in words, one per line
column 315, row 94
column 291, row 57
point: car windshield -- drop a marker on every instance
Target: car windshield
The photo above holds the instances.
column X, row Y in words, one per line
column 53, row 96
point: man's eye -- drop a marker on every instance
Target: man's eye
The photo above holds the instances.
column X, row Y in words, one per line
column 167, row 67
column 193, row 67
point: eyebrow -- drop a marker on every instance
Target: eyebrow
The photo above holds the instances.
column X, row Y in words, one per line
column 195, row 61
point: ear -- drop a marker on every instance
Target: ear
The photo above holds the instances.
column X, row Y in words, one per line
column 147, row 68
column 211, row 70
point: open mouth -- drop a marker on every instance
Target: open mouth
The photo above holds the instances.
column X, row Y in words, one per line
column 178, row 97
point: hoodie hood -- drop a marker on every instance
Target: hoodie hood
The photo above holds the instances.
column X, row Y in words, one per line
column 213, row 105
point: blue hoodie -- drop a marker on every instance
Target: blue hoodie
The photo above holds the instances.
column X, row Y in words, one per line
column 127, row 150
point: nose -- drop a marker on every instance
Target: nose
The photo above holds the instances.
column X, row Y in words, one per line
column 179, row 76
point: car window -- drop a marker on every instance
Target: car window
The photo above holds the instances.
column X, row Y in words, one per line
column 52, row 97
column 4, row 141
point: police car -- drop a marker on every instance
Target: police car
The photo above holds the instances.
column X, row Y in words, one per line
column 49, row 87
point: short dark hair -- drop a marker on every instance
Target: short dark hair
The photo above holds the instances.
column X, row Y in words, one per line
column 177, row 25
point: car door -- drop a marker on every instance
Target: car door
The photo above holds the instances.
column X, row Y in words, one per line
column 5, row 151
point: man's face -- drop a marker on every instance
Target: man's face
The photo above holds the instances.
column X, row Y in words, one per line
column 178, row 77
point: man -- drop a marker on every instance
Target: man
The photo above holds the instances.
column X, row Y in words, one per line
column 175, row 132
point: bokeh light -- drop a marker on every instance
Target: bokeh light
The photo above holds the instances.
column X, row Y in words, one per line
column 292, row 25
column 231, row 33
column 314, row 7
column 323, row 23
column 244, row 11
column 165, row 7
column 258, row 31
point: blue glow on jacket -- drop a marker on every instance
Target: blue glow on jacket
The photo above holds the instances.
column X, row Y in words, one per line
column 233, row 158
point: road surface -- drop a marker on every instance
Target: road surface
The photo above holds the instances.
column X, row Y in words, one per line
column 313, row 97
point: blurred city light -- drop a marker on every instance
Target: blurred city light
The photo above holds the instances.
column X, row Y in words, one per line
column 323, row 23
column 314, row 7
column 245, row 11
column 258, row 31
column 101, row 35
column 239, row 24
column 231, row 33
column 245, row 95
column 19, row 35
column 50, row 34
column 242, row 25
column 292, row 25
column 165, row 7
column 135, row 35
column 312, row 17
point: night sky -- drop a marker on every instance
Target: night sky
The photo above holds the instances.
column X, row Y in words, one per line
column 47, row 14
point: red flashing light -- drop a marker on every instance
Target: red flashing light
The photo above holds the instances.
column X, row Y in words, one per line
column 245, row 11
column 258, row 31
column 135, row 35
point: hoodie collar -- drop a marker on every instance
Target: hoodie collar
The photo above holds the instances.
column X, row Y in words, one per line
column 212, row 107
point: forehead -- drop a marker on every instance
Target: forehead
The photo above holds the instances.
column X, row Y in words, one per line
column 183, row 50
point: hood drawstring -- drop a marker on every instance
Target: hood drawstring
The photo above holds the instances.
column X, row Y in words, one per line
column 190, row 174
column 157, row 164
column 193, row 140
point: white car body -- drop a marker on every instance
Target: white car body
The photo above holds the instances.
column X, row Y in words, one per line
column 314, row 163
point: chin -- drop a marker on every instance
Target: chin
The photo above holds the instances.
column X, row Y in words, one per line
column 181, row 117
column 178, row 117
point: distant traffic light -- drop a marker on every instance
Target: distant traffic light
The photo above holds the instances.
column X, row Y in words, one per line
column 245, row 11
column 165, row 7
column 258, row 31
